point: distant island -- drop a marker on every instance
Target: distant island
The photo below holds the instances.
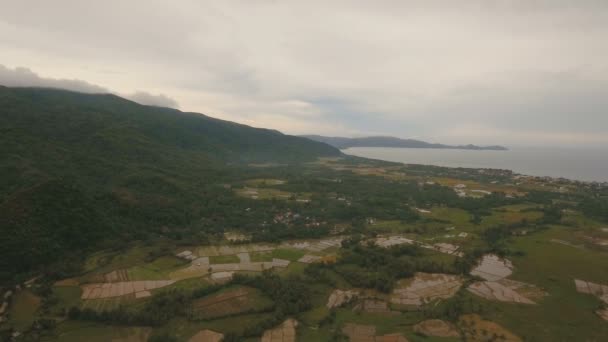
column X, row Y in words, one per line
column 381, row 141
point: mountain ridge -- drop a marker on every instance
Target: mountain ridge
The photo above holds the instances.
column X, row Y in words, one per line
column 83, row 170
column 388, row 141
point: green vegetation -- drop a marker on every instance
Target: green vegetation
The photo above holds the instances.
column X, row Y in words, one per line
column 224, row 259
column 82, row 171
column 287, row 254
column 99, row 189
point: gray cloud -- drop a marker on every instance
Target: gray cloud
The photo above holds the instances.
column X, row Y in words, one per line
column 159, row 100
column 24, row 77
column 487, row 72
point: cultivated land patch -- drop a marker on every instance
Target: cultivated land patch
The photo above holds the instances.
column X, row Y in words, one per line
column 91, row 332
column 367, row 333
column 265, row 181
column 23, row 310
column 436, row 328
column 309, row 259
column 107, row 304
column 447, row 248
column 598, row 290
column 340, row 297
column 376, row 306
column 197, row 269
column 207, row 336
column 286, row 332
column 265, row 193
column 493, row 268
column 424, row 288
column 477, row 329
column 225, row 303
column 108, row 290
column 315, row 245
column 116, row 276
column 210, row 259
column 390, row 241
column 497, row 290
column 209, row 251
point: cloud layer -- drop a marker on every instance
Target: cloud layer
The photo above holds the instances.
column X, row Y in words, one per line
column 24, row 77
column 476, row 71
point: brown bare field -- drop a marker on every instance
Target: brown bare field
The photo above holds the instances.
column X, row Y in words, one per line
column 116, row 276
column 67, row 282
column 108, row 290
column 367, row 333
column 376, row 306
column 360, row 332
column 425, row 287
column 206, row 336
column 501, row 291
column 493, row 268
column 598, row 290
column 476, row 329
column 340, row 297
column 436, row 328
column 603, row 314
column 238, row 300
column 286, row 332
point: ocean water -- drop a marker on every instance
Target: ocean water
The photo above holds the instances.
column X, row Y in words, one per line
column 573, row 163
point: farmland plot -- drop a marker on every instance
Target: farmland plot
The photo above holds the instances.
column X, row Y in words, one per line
column 286, row 332
column 234, row 301
column 367, row 333
column 479, row 330
column 493, row 268
column 425, row 287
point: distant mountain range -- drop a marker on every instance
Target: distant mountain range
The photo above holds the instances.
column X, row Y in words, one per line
column 380, row 141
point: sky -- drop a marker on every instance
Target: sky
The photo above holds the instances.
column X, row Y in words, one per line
column 508, row 72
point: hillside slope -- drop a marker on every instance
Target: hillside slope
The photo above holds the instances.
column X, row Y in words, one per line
column 77, row 169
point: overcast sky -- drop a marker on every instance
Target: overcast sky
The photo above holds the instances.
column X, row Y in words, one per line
column 486, row 72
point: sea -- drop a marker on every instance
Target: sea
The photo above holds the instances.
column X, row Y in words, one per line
column 583, row 164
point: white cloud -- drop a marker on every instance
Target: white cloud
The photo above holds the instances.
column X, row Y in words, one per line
column 406, row 68
column 159, row 100
column 24, row 77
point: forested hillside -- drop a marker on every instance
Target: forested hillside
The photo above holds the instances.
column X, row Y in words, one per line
column 79, row 169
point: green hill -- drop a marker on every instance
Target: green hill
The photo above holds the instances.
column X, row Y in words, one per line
column 78, row 169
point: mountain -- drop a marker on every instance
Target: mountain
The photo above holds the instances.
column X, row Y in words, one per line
column 380, row 141
column 78, row 169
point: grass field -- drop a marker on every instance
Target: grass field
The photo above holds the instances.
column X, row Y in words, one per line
column 224, row 259
column 159, row 269
column 76, row 331
column 511, row 216
column 288, row 254
column 294, row 268
column 67, row 296
column 564, row 315
column 261, row 256
column 106, row 304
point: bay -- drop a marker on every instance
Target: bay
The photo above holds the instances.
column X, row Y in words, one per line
column 584, row 164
